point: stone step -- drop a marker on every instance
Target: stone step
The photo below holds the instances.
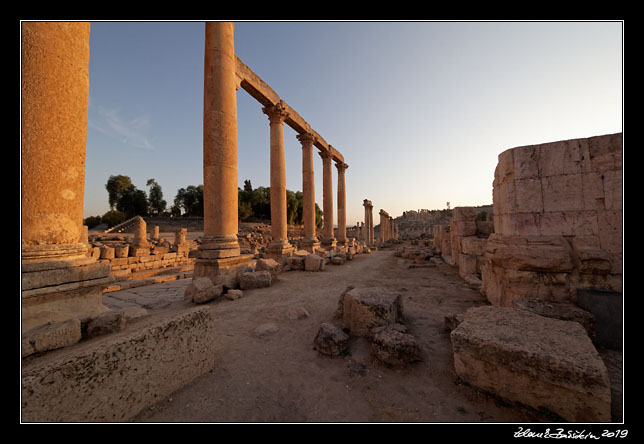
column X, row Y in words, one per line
column 154, row 279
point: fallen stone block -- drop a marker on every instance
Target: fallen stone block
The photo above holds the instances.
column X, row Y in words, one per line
column 559, row 310
column 295, row 262
column 330, row 340
column 254, row 279
column 366, row 308
column 233, row 294
column 270, row 265
column 337, row 260
column 202, row 290
column 537, row 361
column 392, row 345
column 313, row 262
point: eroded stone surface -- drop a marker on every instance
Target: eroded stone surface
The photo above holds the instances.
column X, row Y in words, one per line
column 366, row 308
column 392, row 345
column 330, row 340
column 537, row 361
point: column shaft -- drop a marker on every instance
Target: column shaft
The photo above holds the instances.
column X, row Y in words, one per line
column 327, row 185
column 220, row 143
column 309, row 242
column 342, row 216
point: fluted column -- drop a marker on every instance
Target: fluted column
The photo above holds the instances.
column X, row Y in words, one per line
column 220, row 143
column 279, row 244
column 328, row 239
column 310, row 241
column 342, row 206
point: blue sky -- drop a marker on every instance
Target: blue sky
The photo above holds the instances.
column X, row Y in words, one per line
column 420, row 110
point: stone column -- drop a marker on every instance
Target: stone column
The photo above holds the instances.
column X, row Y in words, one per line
column 368, row 221
column 328, row 239
column 279, row 245
column 310, row 241
column 59, row 282
column 219, row 255
column 381, row 236
column 342, row 206
column 220, row 143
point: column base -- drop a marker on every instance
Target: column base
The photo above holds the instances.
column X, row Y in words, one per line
column 221, row 270
column 329, row 242
column 310, row 244
column 60, row 290
column 278, row 249
column 219, row 247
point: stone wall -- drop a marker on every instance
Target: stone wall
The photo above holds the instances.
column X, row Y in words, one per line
column 557, row 221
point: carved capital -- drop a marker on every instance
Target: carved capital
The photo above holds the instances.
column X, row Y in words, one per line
column 276, row 113
column 306, row 139
column 326, row 155
column 341, row 166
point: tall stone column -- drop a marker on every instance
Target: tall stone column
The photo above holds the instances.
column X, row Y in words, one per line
column 220, row 144
column 59, row 281
column 219, row 256
column 368, row 221
column 328, row 239
column 342, row 205
column 383, row 228
column 310, row 241
column 279, row 245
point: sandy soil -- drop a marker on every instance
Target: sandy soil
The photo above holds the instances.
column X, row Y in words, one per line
column 267, row 371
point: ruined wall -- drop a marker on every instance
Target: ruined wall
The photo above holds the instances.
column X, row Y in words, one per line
column 557, row 221
column 468, row 238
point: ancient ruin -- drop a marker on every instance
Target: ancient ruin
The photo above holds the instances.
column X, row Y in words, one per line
column 520, row 301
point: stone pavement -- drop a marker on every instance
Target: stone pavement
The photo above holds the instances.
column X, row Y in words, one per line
column 150, row 297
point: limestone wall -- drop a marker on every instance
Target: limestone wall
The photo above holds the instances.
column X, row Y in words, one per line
column 557, row 221
column 468, row 238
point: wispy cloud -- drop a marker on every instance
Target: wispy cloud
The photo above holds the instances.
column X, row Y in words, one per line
column 131, row 132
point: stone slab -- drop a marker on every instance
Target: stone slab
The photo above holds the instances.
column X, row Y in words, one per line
column 537, row 361
column 367, row 308
column 114, row 377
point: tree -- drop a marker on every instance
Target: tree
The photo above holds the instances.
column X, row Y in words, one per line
column 125, row 197
column 248, row 186
column 116, row 186
column 190, row 200
column 156, row 203
column 113, row 217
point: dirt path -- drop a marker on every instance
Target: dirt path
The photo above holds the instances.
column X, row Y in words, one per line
column 267, row 371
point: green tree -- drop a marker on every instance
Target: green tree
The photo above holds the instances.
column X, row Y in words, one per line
column 116, row 186
column 113, row 217
column 125, row 197
column 156, row 202
column 190, row 200
column 92, row 221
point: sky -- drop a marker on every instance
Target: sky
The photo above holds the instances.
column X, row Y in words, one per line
column 419, row 110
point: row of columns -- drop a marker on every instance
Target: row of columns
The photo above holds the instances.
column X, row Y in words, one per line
column 220, row 163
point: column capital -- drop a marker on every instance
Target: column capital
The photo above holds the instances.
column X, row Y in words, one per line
column 341, row 166
column 306, row 139
column 326, row 156
column 276, row 113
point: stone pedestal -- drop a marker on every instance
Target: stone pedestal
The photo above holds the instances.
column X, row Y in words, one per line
column 222, row 271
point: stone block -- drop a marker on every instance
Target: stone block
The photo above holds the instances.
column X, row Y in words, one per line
column 464, row 213
column 254, row 279
column 562, row 193
column 563, row 157
column 526, row 162
column 392, row 345
column 463, row 228
column 121, row 251
column 530, row 253
column 366, row 308
column 51, row 336
column 107, row 252
column 233, row 294
column 202, row 290
column 537, row 361
column 330, row 340
column 338, row 259
column 139, row 251
column 270, row 265
column 295, row 262
column 610, row 230
column 564, row 311
column 473, row 245
column 605, row 152
column 467, row 264
column 313, row 262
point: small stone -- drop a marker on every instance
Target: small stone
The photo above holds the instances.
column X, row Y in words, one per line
column 202, row 290
column 295, row 313
column 270, row 265
column 265, row 329
column 330, row 340
column 392, row 345
column 233, row 294
column 313, row 262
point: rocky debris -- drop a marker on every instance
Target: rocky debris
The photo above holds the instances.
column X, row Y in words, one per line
column 313, row 262
column 366, row 308
column 202, row 290
column 540, row 362
column 270, row 265
column 255, row 279
column 330, row 340
column 559, row 310
column 393, row 345
column 338, row 259
column 51, row 336
column 105, row 323
column 233, row 294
